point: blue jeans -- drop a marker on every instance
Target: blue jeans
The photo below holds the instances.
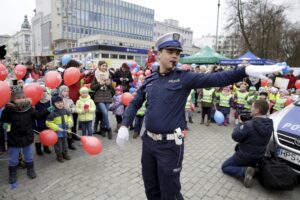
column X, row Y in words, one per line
column 103, row 108
column 87, row 126
column 233, row 168
column 13, row 155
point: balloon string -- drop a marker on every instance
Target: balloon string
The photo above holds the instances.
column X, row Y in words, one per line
column 63, row 130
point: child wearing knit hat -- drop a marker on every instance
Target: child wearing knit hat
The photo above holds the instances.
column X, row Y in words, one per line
column 85, row 107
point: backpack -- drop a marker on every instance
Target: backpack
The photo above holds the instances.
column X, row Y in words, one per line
column 277, row 175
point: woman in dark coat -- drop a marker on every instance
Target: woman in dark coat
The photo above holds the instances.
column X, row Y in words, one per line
column 123, row 77
column 103, row 95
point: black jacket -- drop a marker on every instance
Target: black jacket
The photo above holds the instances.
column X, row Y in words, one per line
column 125, row 83
column 21, row 133
column 252, row 137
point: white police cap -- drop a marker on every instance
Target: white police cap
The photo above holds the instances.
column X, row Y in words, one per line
column 170, row 41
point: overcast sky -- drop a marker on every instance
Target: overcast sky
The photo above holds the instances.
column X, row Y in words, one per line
column 199, row 15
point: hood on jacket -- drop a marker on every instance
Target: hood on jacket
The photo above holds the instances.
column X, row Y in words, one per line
column 263, row 125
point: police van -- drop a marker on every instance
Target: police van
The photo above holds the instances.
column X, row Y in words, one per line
column 285, row 142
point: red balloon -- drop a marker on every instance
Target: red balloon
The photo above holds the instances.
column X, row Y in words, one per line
column 33, row 91
column 3, row 72
column 134, row 64
column 71, row 76
column 53, row 79
column 91, row 145
column 263, row 82
column 297, row 84
column 20, row 71
column 126, row 98
column 147, row 72
column 140, row 73
column 5, row 93
column 48, row 137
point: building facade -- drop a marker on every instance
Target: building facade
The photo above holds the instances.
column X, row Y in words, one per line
column 19, row 45
column 227, row 45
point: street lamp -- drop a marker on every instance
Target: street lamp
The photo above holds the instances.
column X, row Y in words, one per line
column 217, row 26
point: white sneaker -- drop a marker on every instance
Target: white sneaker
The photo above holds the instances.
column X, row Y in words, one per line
column 248, row 177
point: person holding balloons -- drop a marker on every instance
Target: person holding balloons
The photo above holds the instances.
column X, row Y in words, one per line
column 85, row 107
column 103, row 96
column 166, row 91
column 20, row 114
column 60, row 121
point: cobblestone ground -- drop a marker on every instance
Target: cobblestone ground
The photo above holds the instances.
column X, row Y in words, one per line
column 116, row 174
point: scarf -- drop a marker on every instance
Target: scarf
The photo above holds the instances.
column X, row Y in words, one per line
column 101, row 76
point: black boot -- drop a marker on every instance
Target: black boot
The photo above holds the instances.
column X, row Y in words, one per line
column 59, row 158
column 12, row 174
column 190, row 120
column 109, row 133
column 47, row 150
column 103, row 132
column 30, row 170
column 70, row 144
column 66, row 156
column 38, row 148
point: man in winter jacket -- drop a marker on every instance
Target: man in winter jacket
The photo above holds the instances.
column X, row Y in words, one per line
column 252, row 137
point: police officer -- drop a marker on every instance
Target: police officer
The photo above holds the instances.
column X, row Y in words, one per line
column 165, row 92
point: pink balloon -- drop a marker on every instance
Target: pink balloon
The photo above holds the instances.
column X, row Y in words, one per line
column 33, row 91
column 20, row 71
column 48, row 137
column 52, row 79
column 3, row 72
column 91, row 145
column 134, row 64
column 140, row 73
column 71, row 76
column 5, row 93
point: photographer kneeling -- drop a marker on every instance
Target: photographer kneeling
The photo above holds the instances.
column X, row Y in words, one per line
column 252, row 137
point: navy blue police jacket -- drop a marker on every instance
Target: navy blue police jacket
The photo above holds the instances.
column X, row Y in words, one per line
column 166, row 96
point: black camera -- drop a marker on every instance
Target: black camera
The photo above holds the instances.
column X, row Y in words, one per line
column 245, row 115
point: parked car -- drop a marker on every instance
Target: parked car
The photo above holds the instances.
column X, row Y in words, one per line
column 285, row 142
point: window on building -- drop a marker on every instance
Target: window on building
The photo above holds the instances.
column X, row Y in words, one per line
column 122, row 56
column 96, row 55
column 114, row 56
column 105, row 55
column 129, row 57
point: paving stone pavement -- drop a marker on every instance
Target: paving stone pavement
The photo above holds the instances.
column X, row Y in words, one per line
column 115, row 174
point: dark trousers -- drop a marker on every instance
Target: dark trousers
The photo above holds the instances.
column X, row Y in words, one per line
column 233, row 168
column 61, row 146
column 75, row 117
column 206, row 111
column 161, row 167
column 138, row 122
column 87, row 127
column 119, row 119
column 2, row 140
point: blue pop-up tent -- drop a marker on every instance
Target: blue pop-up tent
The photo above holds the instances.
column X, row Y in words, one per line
column 250, row 57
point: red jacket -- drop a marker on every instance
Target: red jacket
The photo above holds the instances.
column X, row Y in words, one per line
column 74, row 89
column 292, row 81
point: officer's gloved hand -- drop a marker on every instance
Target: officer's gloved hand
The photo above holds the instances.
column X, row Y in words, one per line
column 123, row 136
column 259, row 71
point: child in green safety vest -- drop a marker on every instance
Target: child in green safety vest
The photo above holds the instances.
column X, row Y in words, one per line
column 190, row 107
column 225, row 102
column 281, row 100
column 206, row 99
column 240, row 98
column 252, row 96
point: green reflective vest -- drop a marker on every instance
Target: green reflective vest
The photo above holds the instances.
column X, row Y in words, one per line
column 241, row 97
column 280, row 104
column 225, row 100
column 208, row 95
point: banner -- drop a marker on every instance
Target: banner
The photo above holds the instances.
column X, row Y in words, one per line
column 281, row 83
